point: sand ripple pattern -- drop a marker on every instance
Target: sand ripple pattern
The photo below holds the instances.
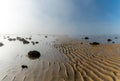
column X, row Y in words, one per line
column 91, row 63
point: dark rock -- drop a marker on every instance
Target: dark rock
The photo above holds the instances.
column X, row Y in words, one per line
column 1, row 44
column 30, row 38
column 24, row 66
column 25, row 42
column 95, row 43
column 86, row 38
column 116, row 37
column 113, row 42
column 109, row 40
column 36, row 42
column 34, row 54
column 46, row 36
column 33, row 42
column 12, row 39
column 22, row 40
column 18, row 38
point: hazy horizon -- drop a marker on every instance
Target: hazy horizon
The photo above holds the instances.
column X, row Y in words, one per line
column 72, row 17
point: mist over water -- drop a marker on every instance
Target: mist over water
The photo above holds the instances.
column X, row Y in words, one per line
column 72, row 17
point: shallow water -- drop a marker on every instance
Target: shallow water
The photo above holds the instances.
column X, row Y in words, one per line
column 14, row 53
column 99, row 38
column 58, row 59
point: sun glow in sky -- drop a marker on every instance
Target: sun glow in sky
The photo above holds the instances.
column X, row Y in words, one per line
column 15, row 16
column 60, row 16
column 8, row 16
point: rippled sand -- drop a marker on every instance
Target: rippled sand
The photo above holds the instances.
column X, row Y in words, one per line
column 66, row 59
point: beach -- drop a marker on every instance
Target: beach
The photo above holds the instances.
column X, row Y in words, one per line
column 62, row 58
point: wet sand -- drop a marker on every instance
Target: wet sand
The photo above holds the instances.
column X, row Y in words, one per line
column 65, row 59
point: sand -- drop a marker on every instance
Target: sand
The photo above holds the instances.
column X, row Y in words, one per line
column 67, row 60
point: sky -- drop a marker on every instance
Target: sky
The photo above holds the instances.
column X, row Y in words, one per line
column 60, row 17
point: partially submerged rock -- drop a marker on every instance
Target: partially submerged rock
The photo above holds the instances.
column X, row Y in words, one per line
column 109, row 40
column 36, row 42
column 86, row 38
column 33, row 42
column 12, row 39
column 113, row 42
column 25, row 42
column 116, row 37
column 46, row 36
column 34, row 54
column 24, row 66
column 1, row 44
column 22, row 40
column 30, row 38
column 95, row 43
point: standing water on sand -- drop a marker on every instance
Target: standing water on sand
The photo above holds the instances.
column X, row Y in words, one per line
column 58, row 58
column 104, row 39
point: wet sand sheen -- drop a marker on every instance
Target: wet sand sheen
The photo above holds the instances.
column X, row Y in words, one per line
column 93, row 63
column 68, row 61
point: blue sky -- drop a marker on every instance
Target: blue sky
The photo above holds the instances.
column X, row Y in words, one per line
column 60, row 16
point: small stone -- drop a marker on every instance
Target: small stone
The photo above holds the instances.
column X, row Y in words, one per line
column 1, row 44
column 46, row 36
column 86, row 38
column 24, row 66
column 95, row 43
column 116, row 37
column 113, row 42
column 36, row 42
column 109, row 40
column 33, row 42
